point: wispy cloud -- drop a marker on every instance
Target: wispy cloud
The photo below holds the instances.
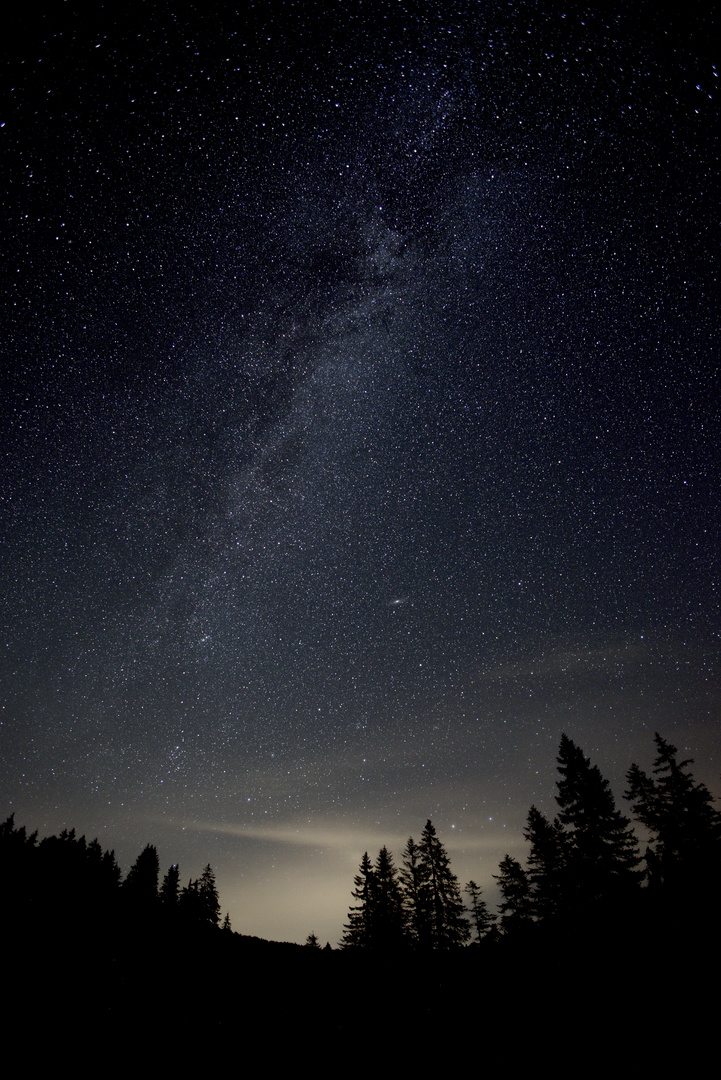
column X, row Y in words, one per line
column 343, row 838
column 565, row 661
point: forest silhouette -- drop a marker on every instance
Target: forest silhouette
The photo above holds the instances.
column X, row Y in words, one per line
column 588, row 926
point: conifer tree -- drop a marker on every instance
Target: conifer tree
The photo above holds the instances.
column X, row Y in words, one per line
column 685, row 847
column 445, row 925
column 481, row 917
column 101, row 877
column 19, row 864
column 546, row 863
column 357, row 931
column 94, row 855
column 386, row 917
column 516, row 907
column 601, row 852
column 209, row 903
column 111, row 871
column 198, row 902
column 414, row 899
column 170, row 887
column 141, row 884
column 189, row 906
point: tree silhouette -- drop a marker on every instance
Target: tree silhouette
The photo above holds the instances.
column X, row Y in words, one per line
column 516, row 907
column 198, row 902
column 15, row 839
column 685, row 847
column 421, row 905
column 546, row 863
column 170, row 888
column 481, row 917
column 386, row 916
column 600, row 849
column 141, row 884
column 102, row 877
column 357, row 931
column 416, row 919
column 208, row 893
column 442, row 915
column 18, row 869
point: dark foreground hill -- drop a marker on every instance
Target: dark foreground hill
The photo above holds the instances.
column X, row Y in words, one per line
column 168, row 995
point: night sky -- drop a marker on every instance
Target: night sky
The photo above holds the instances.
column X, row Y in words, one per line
column 361, row 426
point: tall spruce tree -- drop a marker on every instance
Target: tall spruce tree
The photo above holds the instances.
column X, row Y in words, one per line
column 601, row 852
column 416, row 918
column 444, row 922
column 209, row 906
column 685, row 846
column 357, row 931
column 386, row 916
column 170, row 887
column 546, row 863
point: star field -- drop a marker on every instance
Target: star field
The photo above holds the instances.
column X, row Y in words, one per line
column 361, row 427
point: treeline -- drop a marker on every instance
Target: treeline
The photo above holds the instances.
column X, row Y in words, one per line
column 584, row 869
column 66, row 880
column 584, row 922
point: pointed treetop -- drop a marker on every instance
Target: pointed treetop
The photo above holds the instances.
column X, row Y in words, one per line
column 679, row 813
